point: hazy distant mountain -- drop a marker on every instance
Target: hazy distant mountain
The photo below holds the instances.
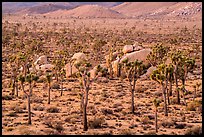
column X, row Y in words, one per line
column 135, row 9
column 160, row 9
column 13, row 7
column 45, row 8
column 112, row 9
column 87, row 11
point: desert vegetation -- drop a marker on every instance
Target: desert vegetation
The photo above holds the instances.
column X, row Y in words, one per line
column 101, row 76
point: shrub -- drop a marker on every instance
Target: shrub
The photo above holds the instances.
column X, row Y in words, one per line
column 48, row 123
column 53, row 110
column 12, row 114
column 106, row 111
column 38, row 108
column 16, row 108
column 167, row 123
column 193, row 105
column 96, row 123
column 195, row 130
column 150, row 133
column 36, row 99
column 58, row 126
column 10, row 129
column 55, row 86
column 7, row 97
column 144, row 120
column 125, row 132
column 26, row 131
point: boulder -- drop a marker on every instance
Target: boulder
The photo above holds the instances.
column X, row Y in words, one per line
column 127, row 49
column 41, row 60
column 115, row 54
column 140, row 55
column 148, row 73
column 70, row 70
column 45, row 67
column 79, row 56
column 115, row 67
column 137, row 47
column 93, row 71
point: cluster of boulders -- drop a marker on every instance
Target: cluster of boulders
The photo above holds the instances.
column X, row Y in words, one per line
column 70, row 68
column 132, row 52
column 42, row 64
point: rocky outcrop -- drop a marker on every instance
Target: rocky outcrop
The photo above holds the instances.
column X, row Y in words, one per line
column 94, row 70
column 71, row 69
column 79, row 56
column 140, row 55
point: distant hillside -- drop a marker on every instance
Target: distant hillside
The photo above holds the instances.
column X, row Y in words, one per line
column 32, row 7
column 135, row 9
column 88, row 11
column 161, row 9
column 45, row 8
column 155, row 10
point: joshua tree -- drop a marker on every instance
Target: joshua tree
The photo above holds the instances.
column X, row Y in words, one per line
column 159, row 75
column 156, row 104
column 97, row 47
column 158, row 54
column 62, row 75
column 133, row 71
column 182, row 65
column 171, row 78
column 49, row 79
column 83, row 67
column 176, row 60
column 185, row 66
column 110, row 59
column 29, row 78
column 196, row 87
column 14, row 65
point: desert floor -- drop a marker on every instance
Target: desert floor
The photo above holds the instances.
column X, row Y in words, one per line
column 109, row 100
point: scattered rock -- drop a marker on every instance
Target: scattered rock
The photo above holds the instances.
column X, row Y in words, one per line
column 127, row 49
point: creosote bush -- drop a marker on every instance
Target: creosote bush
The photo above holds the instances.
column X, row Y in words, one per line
column 195, row 130
column 96, row 122
column 53, row 109
column 193, row 105
column 7, row 97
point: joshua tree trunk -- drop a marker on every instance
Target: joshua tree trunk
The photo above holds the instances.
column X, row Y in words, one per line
column 48, row 93
column 156, row 126
column 183, row 89
column 176, row 81
column 132, row 97
column 170, row 88
column 167, row 92
column 62, row 88
column 29, row 107
column 119, row 71
column 13, row 86
column 17, row 89
column 132, row 106
column 82, row 102
column 194, row 96
column 84, row 112
column 165, row 104
column 71, row 68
